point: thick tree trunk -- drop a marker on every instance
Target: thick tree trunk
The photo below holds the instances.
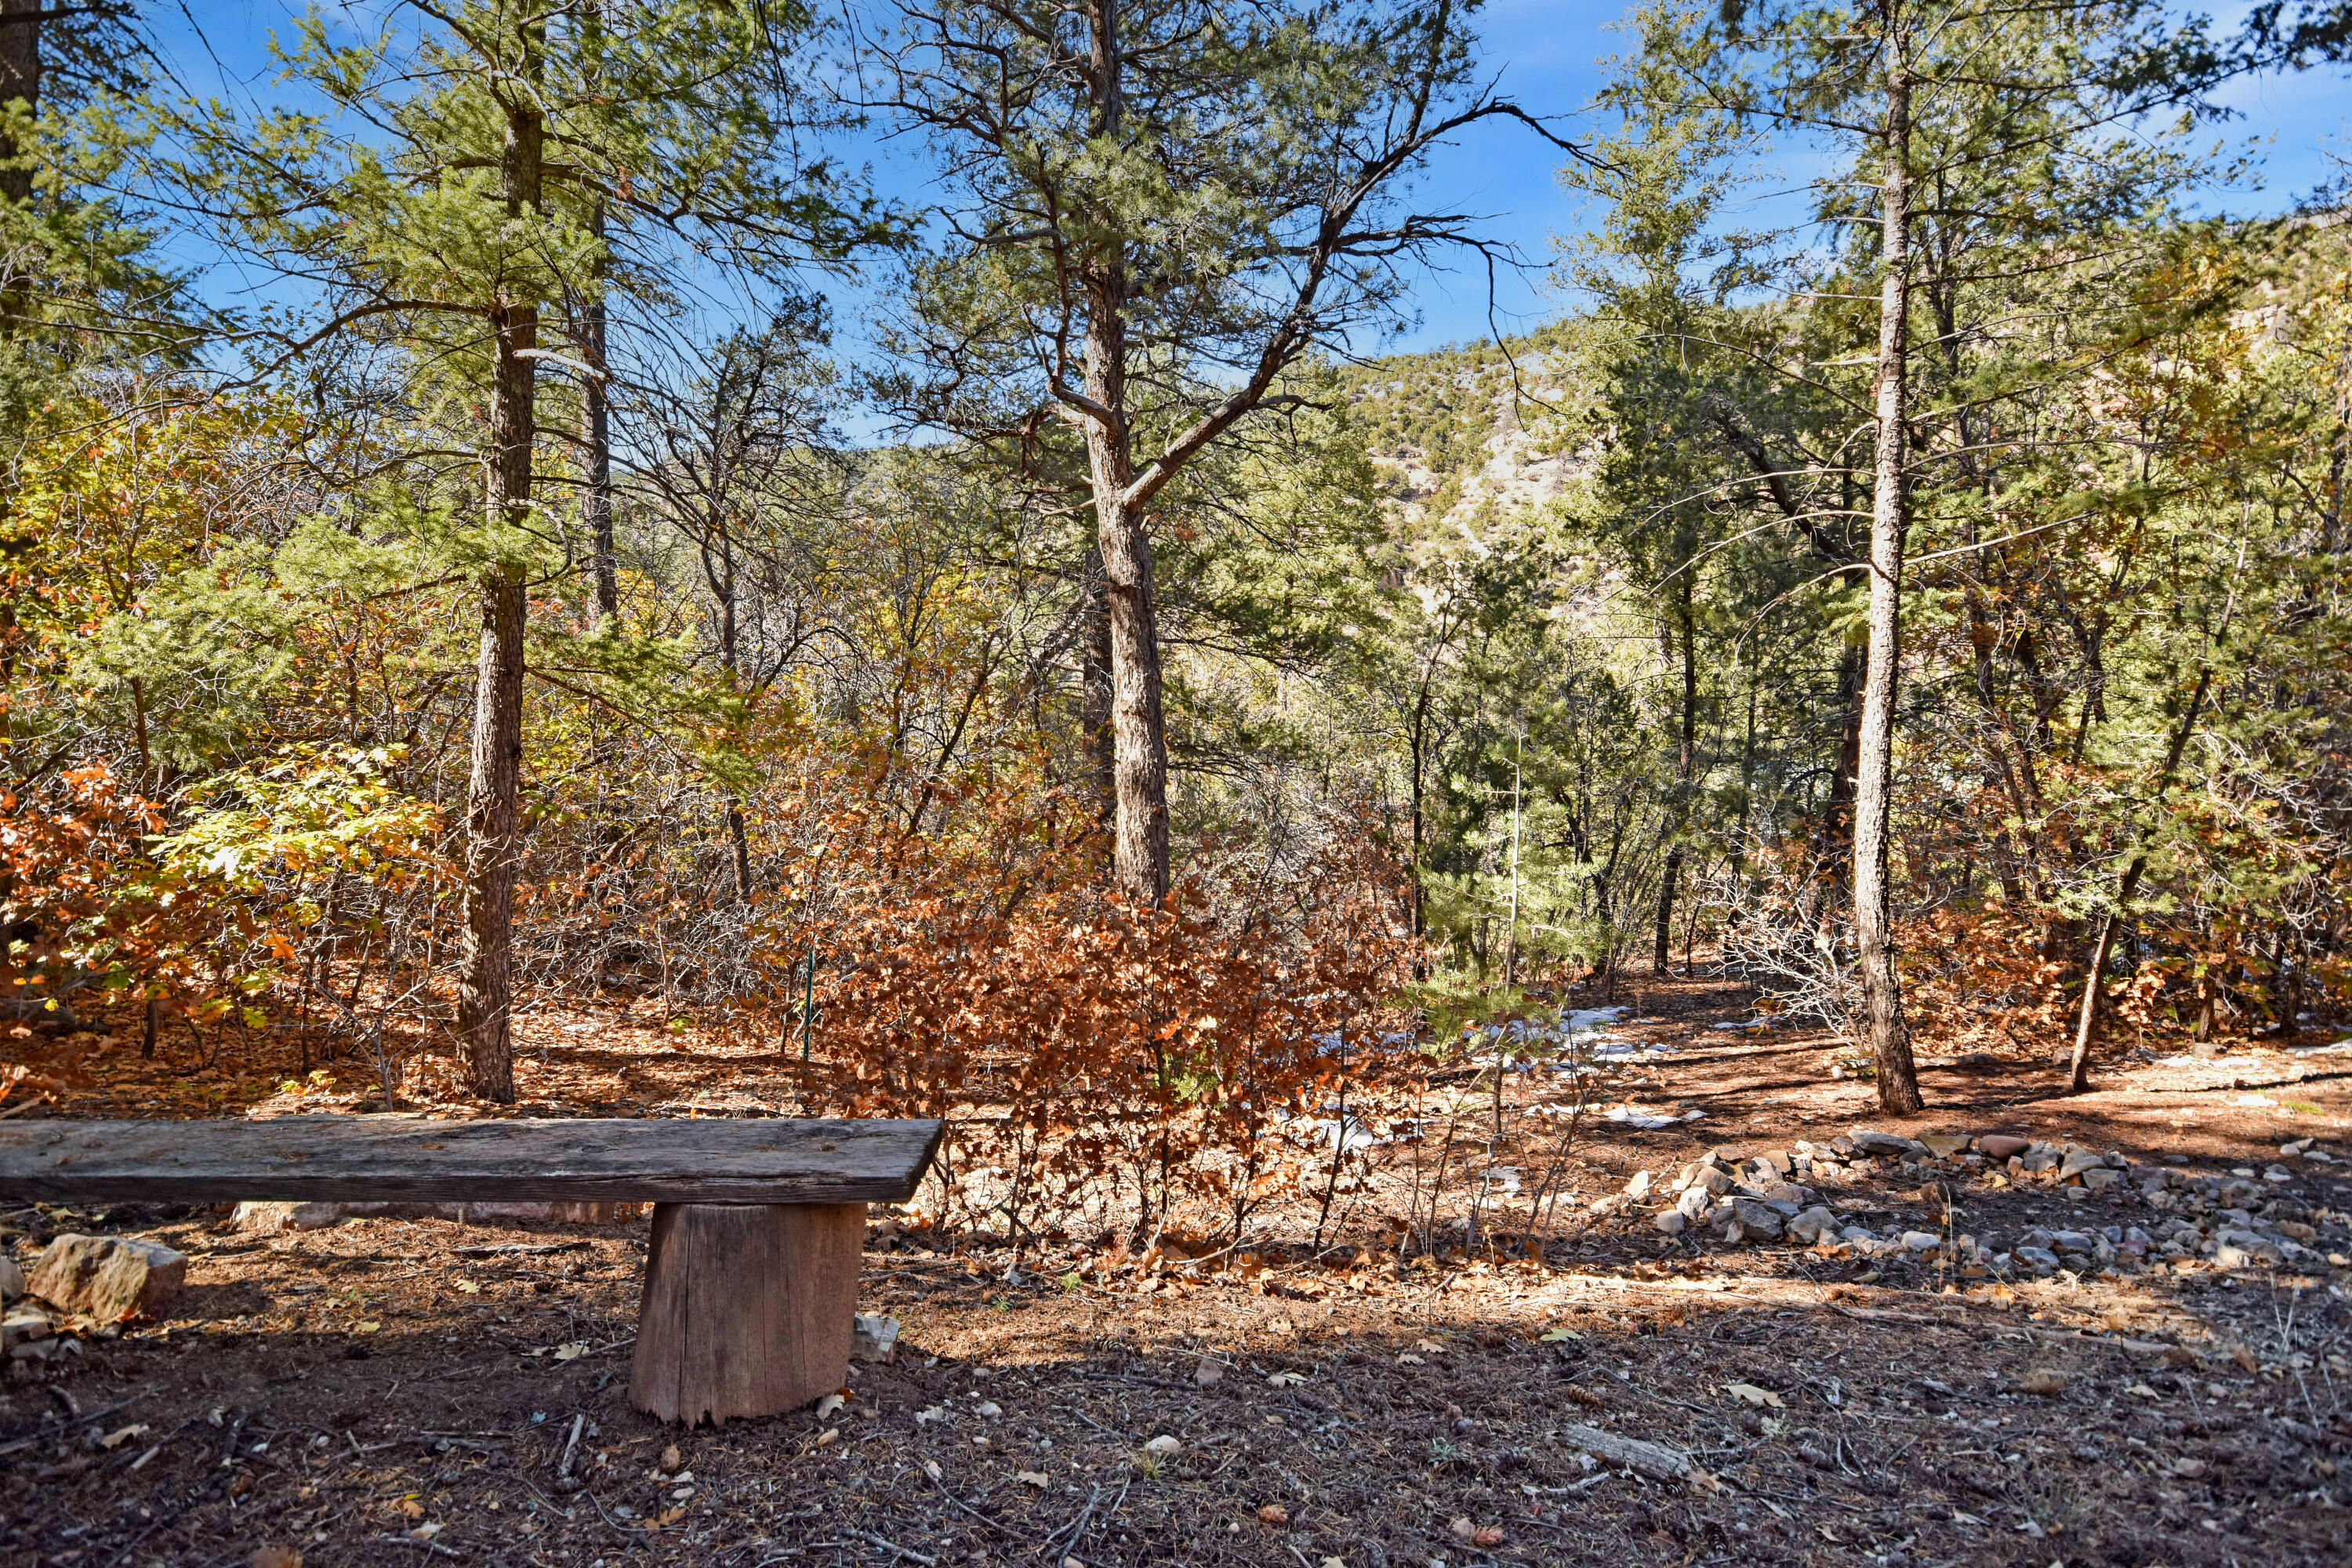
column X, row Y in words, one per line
column 1890, row 1040
column 493, row 845
column 1138, row 732
column 493, row 795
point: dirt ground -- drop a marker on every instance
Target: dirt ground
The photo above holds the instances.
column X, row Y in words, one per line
column 401, row 1392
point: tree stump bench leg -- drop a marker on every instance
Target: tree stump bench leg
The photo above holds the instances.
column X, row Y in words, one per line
column 748, row 1308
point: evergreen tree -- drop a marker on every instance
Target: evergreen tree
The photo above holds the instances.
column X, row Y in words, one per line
column 492, row 173
column 1159, row 207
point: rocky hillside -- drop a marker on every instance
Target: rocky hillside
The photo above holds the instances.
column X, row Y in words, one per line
column 1461, row 432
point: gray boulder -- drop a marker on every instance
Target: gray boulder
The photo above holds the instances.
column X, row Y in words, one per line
column 2078, row 1161
column 1872, row 1141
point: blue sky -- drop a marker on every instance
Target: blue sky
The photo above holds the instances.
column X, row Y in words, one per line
column 1547, row 54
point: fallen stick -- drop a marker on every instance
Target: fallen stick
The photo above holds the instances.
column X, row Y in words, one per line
column 72, row 1423
column 1655, row 1460
column 892, row 1547
column 563, row 1482
column 519, row 1250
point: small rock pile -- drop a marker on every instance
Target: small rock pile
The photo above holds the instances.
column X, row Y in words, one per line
column 83, row 1286
column 2245, row 1219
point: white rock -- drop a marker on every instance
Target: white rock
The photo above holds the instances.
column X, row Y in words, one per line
column 1164, row 1446
column 1639, row 1187
column 874, row 1337
column 1672, row 1221
column 269, row 1218
column 1921, row 1240
column 24, row 1326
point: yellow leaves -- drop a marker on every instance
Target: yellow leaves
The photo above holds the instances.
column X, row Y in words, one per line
column 117, row 501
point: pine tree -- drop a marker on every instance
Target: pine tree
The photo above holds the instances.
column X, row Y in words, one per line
column 488, row 181
column 1161, row 206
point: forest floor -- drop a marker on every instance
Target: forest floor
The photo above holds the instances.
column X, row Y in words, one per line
column 399, row 1391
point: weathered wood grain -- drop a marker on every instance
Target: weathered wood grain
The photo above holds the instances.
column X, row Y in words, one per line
column 747, row 1310
column 396, row 1158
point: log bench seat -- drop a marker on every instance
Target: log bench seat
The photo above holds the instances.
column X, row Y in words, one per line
column 750, row 1284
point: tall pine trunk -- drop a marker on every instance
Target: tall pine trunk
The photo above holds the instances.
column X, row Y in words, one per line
column 597, row 433
column 1138, row 732
column 1890, row 1039
column 1685, row 764
column 493, row 814
column 595, row 391
column 1139, row 736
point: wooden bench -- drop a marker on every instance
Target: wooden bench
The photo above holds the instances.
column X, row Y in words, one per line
column 751, row 1275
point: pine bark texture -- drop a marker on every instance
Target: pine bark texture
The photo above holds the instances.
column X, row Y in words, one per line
column 494, row 785
column 596, row 419
column 1139, row 728
column 1093, row 694
column 596, row 394
column 1890, row 1040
